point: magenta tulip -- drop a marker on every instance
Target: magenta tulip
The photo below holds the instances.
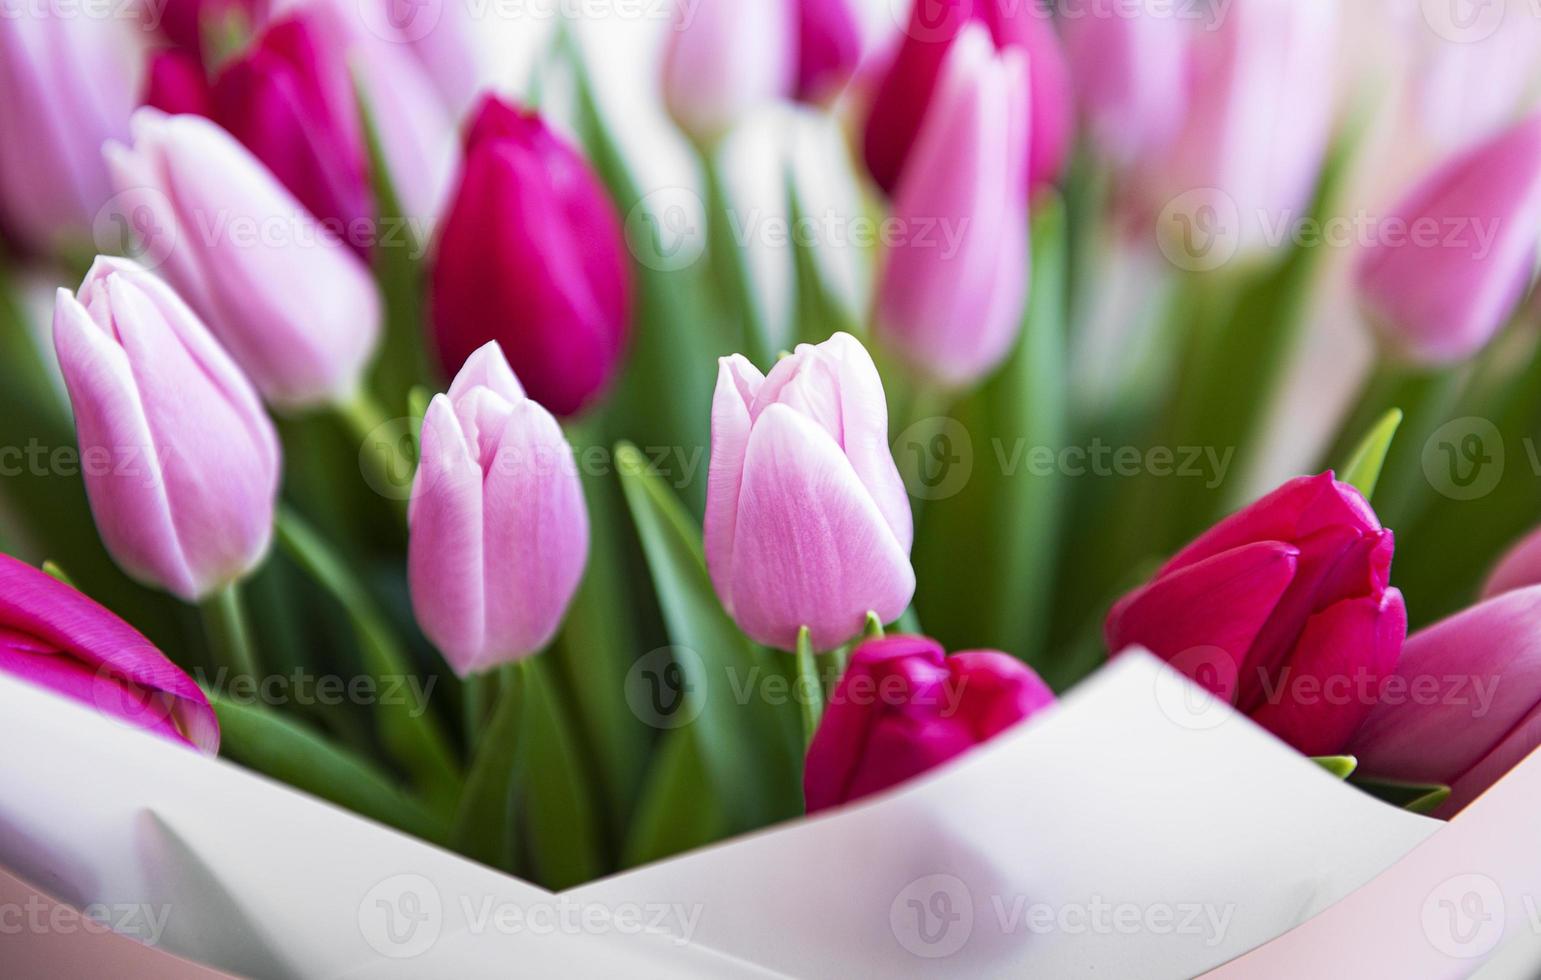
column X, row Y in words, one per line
column 531, row 255
column 499, row 530
column 726, row 58
column 1464, row 251
column 68, row 85
column 807, row 521
column 829, row 47
column 56, row 638
column 1465, row 705
column 1518, row 568
column 189, row 23
column 904, row 707
column 950, row 302
column 1284, row 609
column 180, row 463
column 177, row 84
column 292, row 304
column 904, row 98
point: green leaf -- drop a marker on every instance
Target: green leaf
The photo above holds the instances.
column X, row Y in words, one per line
column 1341, row 766
column 1429, row 802
column 409, row 730
column 1362, row 471
column 267, row 742
column 996, row 525
column 1421, row 798
column 810, row 686
column 747, row 750
column 485, row 820
column 874, row 630
column 819, row 314
column 558, row 812
column 55, row 572
column 679, row 811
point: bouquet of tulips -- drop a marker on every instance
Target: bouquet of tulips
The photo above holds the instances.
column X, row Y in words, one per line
column 577, row 440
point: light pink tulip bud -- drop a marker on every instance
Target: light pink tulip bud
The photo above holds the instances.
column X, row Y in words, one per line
column 807, row 521
column 68, row 85
column 1465, row 704
column 180, row 462
column 1519, row 567
column 296, row 308
column 499, row 529
column 725, row 58
column 1464, row 253
column 1130, row 69
column 953, row 286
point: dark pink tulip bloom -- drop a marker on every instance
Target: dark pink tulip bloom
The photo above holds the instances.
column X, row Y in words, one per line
column 57, row 638
column 829, row 47
column 186, row 22
column 904, row 707
column 531, row 255
column 177, row 84
column 1465, row 706
column 904, row 95
column 1284, row 609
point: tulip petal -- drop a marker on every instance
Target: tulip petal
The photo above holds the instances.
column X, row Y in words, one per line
column 487, row 368
column 446, row 540
column 1518, row 568
column 737, row 382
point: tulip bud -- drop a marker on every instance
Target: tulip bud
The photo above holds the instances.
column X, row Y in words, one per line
column 290, row 100
column 68, row 86
column 725, row 58
column 807, row 521
column 951, row 302
column 531, row 255
column 1518, row 568
column 1284, row 609
column 499, row 530
column 56, row 638
column 904, row 97
column 1441, row 289
column 180, row 463
column 177, row 84
column 904, row 707
column 1468, row 737
column 294, row 306
column 829, row 47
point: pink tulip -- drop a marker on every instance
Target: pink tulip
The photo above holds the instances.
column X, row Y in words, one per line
column 187, row 23
column 1465, row 706
column 56, row 638
column 292, row 304
column 904, row 707
column 1284, row 609
column 726, row 58
column 903, row 101
column 499, row 531
column 807, row 521
column 177, row 84
column 950, row 301
column 829, row 47
column 1464, row 252
column 531, row 255
column 180, row 463
column 1518, row 568
column 68, row 85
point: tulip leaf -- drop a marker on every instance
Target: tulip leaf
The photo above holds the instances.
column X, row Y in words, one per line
column 732, row 277
column 558, row 811
column 679, row 812
column 1340, row 766
column 1421, row 798
column 819, row 313
column 746, row 748
column 874, row 630
column 484, row 828
column 1362, row 471
column 408, row 729
column 990, row 519
column 265, row 741
column 55, row 572
column 810, row 686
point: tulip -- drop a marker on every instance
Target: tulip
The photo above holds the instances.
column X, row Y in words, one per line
column 726, row 58
column 904, row 97
column 807, row 521
column 1463, row 252
column 904, row 707
column 1466, row 704
column 951, row 302
column 68, row 85
column 1283, row 609
column 499, row 533
column 294, row 306
column 1519, row 567
column 58, row 639
column 290, row 100
column 177, row 84
column 829, row 47
column 531, row 255
column 180, row 463
column 189, row 23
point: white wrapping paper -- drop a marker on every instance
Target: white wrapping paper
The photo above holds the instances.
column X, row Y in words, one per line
column 1139, row 829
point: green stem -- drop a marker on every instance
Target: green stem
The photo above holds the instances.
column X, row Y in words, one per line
column 729, row 263
column 228, row 631
column 387, row 467
column 810, row 687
